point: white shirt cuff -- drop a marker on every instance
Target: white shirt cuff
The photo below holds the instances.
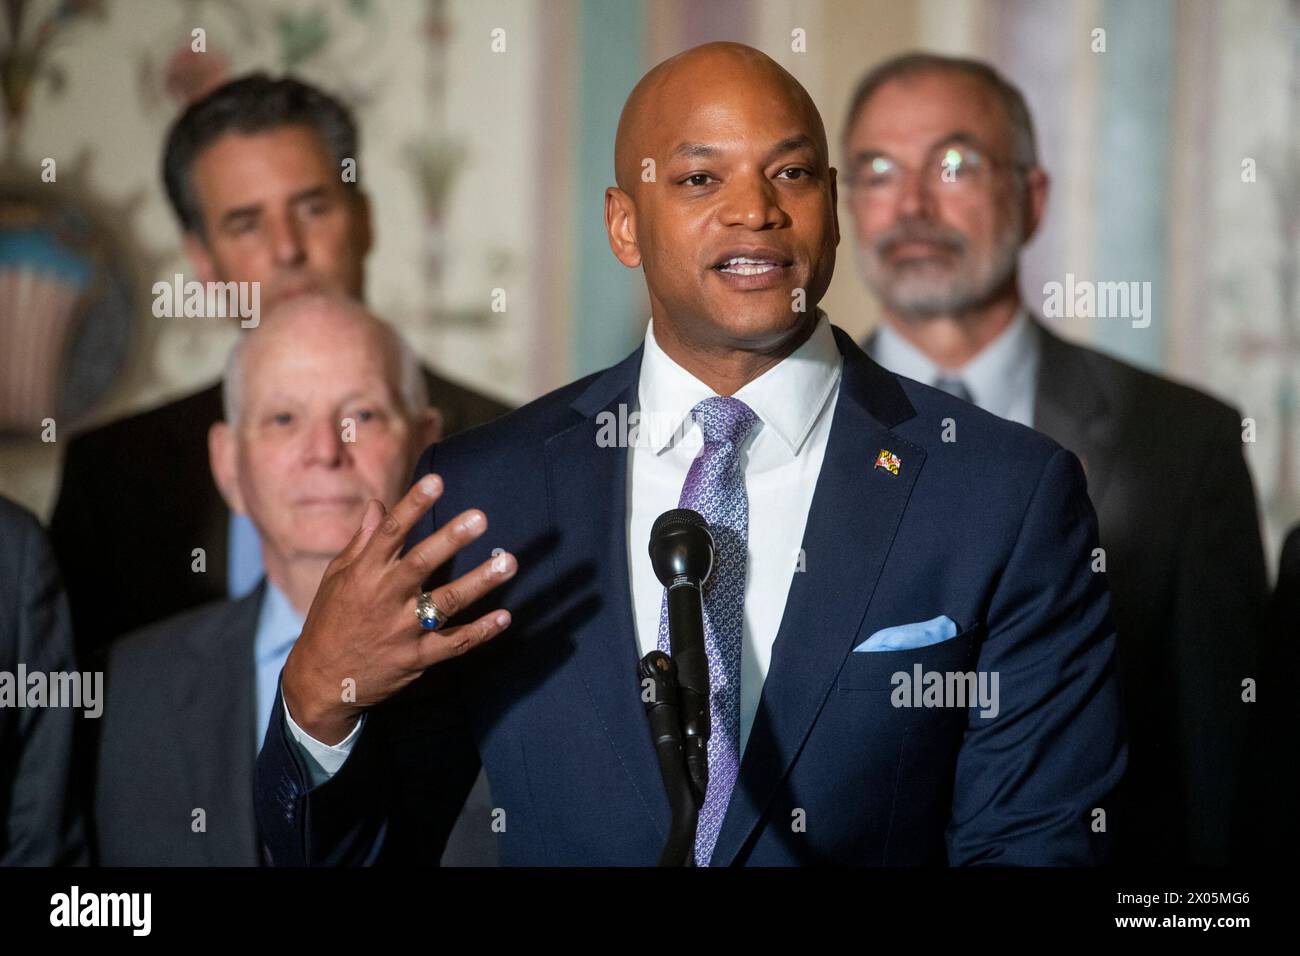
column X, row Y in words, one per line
column 323, row 760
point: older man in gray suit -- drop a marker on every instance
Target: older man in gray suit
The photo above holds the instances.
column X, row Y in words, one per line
column 325, row 408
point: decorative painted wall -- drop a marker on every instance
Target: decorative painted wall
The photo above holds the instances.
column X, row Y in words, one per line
column 1175, row 156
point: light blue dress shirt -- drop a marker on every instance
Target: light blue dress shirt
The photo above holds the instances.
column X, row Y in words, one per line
column 1001, row 378
column 278, row 626
column 243, row 557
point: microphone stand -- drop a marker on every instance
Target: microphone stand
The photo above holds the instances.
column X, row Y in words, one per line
column 691, row 670
column 664, row 712
column 681, row 552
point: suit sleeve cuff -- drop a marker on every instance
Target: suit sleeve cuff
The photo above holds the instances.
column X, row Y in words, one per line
column 323, row 760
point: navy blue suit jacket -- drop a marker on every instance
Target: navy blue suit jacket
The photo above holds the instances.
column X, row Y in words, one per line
column 993, row 529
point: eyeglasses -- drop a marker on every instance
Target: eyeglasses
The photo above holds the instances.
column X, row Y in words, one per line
column 957, row 169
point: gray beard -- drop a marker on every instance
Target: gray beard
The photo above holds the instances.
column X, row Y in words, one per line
column 930, row 291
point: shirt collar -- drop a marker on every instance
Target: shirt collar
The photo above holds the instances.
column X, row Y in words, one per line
column 787, row 398
column 278, row 625
column 993, row 375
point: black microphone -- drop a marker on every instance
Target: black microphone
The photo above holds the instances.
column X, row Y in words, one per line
column 681, row 551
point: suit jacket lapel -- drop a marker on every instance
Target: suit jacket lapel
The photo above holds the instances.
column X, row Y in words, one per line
column 854, row 515
column 216, row 703
column 1070, row 407
column 588, row 497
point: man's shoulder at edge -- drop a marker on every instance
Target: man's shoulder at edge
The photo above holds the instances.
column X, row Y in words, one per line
column 1135, row 390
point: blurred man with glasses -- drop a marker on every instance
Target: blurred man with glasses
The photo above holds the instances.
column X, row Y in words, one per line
column 944, row 188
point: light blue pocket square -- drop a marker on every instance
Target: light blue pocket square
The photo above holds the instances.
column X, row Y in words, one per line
column 906, row 637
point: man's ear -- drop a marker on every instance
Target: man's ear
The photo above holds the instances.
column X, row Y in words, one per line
column 1037, row 187
column 429, row 427
column 365, row 227
column 620, row 223
column 223, row 459
column 196, row 250
column 835, row 203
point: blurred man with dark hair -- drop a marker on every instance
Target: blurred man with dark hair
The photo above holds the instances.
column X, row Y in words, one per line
column 255, row 174
column 945, row 187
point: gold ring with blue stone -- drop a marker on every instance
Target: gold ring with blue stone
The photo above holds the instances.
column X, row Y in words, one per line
column 430, row 617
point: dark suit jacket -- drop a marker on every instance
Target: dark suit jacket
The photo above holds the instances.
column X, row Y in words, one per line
column 1178, row 521
column 1274, row 830
column 995, row 531
column 177, row 735
column 41, row 819
column 138, row 497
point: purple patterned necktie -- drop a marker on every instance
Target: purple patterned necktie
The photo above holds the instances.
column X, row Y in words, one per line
column 715, row 487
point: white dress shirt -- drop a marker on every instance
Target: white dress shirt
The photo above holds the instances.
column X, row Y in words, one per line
column 1001, row 377
column 781, row 457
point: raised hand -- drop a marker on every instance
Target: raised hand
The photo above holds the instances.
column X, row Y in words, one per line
column 362, row 624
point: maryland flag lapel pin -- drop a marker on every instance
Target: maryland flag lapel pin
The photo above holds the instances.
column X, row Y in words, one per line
column 888, row 461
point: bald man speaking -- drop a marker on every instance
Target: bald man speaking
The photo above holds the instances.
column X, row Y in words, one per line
column 911, row 660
